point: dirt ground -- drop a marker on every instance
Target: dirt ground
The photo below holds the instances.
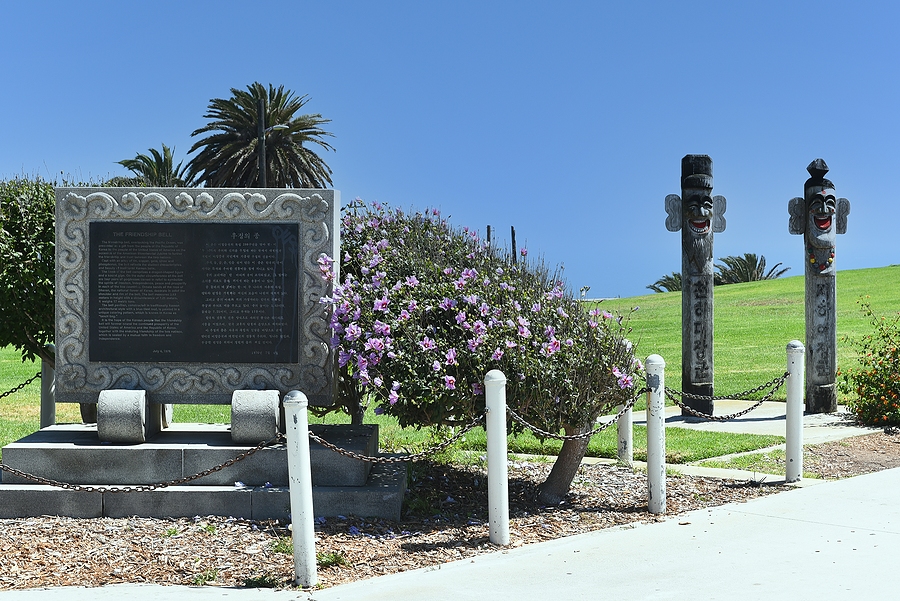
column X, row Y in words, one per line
column 445, row 520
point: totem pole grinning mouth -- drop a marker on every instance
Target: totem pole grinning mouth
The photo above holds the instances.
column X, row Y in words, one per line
column 823, row 222
column 699, row 227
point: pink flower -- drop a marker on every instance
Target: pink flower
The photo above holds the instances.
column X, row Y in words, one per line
column 498, row 354
column 451, row 357
column 353, row 332
column 436, row 366
column 450, row 382
column 427, row 344
column 374, row 344
column 381, row 304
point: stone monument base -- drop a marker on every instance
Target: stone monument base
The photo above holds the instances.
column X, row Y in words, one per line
column 255, row 488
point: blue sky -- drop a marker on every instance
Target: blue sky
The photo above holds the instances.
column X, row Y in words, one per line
column 566, row 120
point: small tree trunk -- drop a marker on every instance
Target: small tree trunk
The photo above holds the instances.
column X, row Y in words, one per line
column 353, row 405
column 555, row 488
column 356, row 417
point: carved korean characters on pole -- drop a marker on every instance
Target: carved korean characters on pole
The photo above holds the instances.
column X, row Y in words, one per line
column 697, row 215
column 819, row 217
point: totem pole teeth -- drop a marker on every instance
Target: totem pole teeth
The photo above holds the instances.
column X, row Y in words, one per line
column 822, row 222
column 700, row 227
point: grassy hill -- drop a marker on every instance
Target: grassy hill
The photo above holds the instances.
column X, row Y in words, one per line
column 754, row 322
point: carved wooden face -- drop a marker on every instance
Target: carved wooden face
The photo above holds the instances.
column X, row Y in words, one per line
column 698, row 214
column 820, row 228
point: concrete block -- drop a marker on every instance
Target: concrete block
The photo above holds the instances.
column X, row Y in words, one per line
column 382, row 497
column 74, row 455
column 330, row 468
column 266, row 465
column 21, row 501
column 255, row 416
column 122, row 416
column 272, row 503
column 180, row 501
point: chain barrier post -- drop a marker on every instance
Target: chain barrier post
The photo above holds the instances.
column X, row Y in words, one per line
column 793, row 434
column 300, row 475
column 656, row 434
column 626, row 437
column 498, row 473
column 48, row 391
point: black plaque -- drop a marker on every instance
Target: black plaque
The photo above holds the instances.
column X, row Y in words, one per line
column 193, row 292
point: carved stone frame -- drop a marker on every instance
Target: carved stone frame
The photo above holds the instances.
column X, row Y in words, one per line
column 79, row 380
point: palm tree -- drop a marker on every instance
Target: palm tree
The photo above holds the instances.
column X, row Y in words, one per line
column 156, row 170
column 746, row 269
column 667, row 283
column 229, row 156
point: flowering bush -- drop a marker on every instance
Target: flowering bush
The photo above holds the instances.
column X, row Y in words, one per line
column 876, row 383
column 422, row 311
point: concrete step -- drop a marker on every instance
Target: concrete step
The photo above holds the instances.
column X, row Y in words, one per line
column 380, row 497
column 254, row 488
column 73, row 453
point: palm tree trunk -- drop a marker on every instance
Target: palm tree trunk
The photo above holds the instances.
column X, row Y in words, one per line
column 555, row 488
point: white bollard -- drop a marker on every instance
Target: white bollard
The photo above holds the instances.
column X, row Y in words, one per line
column 300, row 475
column 656, row 434
column 626, row 437
column 793, row 459
column 498, row 473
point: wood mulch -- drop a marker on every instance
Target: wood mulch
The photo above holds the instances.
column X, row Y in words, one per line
column 445, row 520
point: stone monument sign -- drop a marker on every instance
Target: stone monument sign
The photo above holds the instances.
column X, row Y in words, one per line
column 191, row 295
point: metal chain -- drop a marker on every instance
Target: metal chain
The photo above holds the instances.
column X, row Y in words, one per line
column 141, row 487
column 777, row 383
column 401, row 458
column 601, row 428
column 21, row 386
column 734, row 397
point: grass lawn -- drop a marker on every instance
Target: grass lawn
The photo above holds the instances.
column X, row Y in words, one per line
column 754, row 323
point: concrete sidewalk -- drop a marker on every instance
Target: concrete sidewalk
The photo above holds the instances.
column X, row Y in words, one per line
column 840, row 540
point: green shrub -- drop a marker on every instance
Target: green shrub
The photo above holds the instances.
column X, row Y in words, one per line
column 423, row 311
column 876, row 382
column 27, row 245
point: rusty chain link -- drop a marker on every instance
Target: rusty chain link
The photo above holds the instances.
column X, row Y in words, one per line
column 775, row 383
column 21, row 386
column 140, row 487
column 400, row 458
column 601, row 428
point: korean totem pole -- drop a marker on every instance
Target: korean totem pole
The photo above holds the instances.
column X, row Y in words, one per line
column 697, row 215
column 819, row 217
